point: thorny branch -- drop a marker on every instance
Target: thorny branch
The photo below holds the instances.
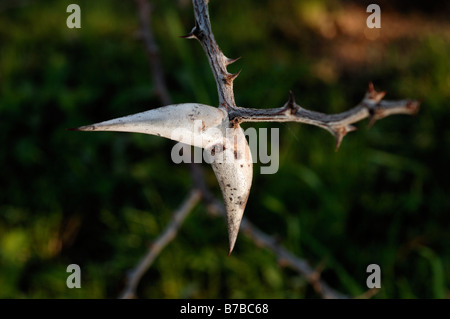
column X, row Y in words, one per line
column 372, row 106
column 169, row 233
column 201, row 191
column 217, row 60
column 339, row 124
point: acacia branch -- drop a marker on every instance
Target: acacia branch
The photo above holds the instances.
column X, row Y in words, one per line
column 217, row 60
column 372, row 106
column 169, row 233
column 339, row 124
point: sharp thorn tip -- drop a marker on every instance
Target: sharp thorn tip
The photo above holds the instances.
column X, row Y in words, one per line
column 188, row 36
column 338, row 145
column 231, row 77
column 230, row 61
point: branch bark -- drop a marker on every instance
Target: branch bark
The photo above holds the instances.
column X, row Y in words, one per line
column 339, row 124
column 217, row 60
column 169, row 233
column 201, row 191
column 372, row 106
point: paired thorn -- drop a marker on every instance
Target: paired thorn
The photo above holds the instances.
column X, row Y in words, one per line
column 339, row 139
column 229, row 61
column 340, row 132
column 290, row 108
column 188, row 36
column 413, row 106
column 372, row 100
column 231, row 77
column 373, row 94
column 235, row 122
column 372, row 119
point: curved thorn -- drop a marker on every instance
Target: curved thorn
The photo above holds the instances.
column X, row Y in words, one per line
column 233, row 167
column 229, row 61
column 232, row 77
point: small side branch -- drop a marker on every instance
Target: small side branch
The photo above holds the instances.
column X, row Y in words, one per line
column 339, row 124
column 287, row 258
column 146, row 34
column 158, row 245
column 217, row 60
column 372, row 106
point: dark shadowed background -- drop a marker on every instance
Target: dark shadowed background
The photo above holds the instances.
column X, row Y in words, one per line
column 99, row 199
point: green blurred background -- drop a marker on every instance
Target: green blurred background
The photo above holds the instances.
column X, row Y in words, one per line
column 99, row 199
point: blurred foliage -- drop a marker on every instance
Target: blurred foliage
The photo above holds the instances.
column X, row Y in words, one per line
column 98, row 200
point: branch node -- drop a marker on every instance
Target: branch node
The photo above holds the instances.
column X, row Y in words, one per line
column 291, row 103
column 229, row 78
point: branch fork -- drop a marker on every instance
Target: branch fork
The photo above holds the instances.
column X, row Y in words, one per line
column 339, row 125
column 235, row 176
